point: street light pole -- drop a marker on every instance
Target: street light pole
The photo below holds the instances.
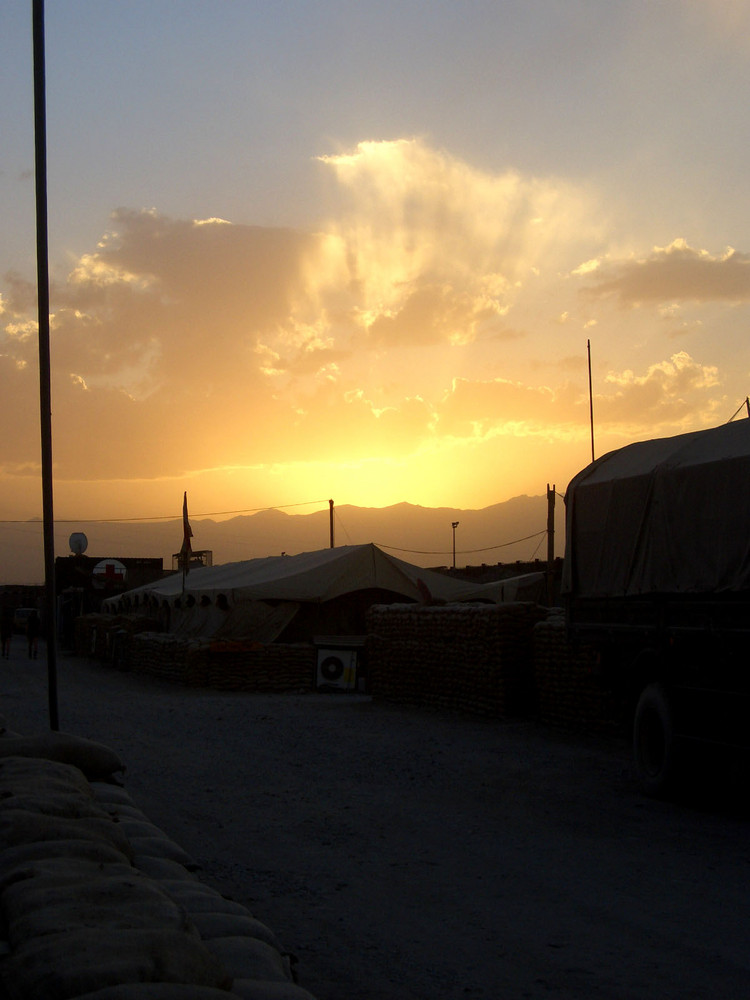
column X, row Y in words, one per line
column 454, row 525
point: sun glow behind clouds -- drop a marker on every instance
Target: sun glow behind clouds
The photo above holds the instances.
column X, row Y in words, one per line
column 439, row 244
column 416, row 346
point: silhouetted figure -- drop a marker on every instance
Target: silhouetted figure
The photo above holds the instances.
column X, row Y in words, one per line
column 32, row 634
column 6, row 631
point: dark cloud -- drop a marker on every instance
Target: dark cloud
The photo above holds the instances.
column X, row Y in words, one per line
column 666, row 398
column 195, row 297
column 676, row 273
column 432, row 314
column 155, row 348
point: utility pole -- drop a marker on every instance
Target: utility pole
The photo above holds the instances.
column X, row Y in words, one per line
column 330, row 521
column 454, row 525
column 45, row 392
column 550, row 544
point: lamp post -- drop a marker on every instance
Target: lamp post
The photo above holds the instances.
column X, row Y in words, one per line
column 454, row 525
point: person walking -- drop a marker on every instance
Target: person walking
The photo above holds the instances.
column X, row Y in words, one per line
column 32, row 634
column 6, row 630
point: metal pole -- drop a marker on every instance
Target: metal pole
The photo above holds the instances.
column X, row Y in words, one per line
column 591, row 401
column 550, row 543
column 454, row 525
column 330, row 521
column 45, row 395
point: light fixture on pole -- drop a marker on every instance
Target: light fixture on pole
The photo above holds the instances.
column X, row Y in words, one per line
column 454, row 525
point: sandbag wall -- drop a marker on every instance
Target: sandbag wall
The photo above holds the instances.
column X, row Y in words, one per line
column 254, row 666
column 569, row 692
column 97, row 903
column 471, row 657
column 228, row 666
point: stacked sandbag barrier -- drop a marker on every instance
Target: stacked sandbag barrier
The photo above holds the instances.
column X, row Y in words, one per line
column 223, row 664
column 170, row 657
column 569, row 690
column 255, row 666
column 96, row 903
column 470, row 657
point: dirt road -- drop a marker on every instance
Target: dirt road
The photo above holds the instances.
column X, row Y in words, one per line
column 409, row 855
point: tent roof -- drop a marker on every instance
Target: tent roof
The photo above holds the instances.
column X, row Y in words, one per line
column 668, row 515
column 309, row 577
column 526, row 587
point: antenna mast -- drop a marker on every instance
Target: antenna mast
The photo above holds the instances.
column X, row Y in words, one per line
column 591, row 401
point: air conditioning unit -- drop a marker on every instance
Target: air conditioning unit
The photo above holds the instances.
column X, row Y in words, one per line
column 337, row 670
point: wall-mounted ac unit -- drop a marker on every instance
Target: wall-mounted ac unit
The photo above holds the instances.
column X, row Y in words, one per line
column 337, row 670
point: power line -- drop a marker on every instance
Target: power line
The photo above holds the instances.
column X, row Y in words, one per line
column 341, row 524
column 253, row 510
column 463, row 552
column 161, row 517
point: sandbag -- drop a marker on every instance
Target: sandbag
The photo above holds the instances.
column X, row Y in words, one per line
column 20, row 826
column 71, row 805
column 258, row 989
column 159, row 991
column 39, row 776
column 161, row 846
column 50, row 903
column 99, row 851
column 216, row 925
column 94, row 759
column 107, row 792
column 197, row 897
column 66, row 965
column 120, row 811
column 249, row 957
column 66, row 869
column 162, row 868
column 138, row 826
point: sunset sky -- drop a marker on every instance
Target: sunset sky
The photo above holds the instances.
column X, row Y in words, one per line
column 355, row 250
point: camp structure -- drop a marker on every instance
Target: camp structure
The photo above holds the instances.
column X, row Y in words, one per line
column 526, row 587
column 288, row 598
column 666, row 516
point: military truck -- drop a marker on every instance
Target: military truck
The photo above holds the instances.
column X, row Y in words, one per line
column 656, row 578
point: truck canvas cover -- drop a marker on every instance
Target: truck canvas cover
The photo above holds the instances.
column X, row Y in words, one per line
column 666, row 516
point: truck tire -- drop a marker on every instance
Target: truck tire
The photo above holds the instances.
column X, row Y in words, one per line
column 654, row 744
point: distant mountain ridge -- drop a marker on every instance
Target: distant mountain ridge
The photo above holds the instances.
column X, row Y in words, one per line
column 505, row 532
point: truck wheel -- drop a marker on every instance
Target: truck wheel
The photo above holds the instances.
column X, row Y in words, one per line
column 654, row 746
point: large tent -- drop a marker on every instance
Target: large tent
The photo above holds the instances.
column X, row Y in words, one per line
column 289, row 597
column 663, row 516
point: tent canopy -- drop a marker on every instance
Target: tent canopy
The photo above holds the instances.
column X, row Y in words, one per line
column 668, row 516
column 309, row 577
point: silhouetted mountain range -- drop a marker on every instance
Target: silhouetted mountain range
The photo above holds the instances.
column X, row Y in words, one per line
column 505, row 532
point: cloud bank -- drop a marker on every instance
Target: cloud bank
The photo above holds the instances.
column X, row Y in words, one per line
column 186, row 346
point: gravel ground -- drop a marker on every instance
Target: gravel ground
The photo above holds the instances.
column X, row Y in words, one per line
column 407, row 855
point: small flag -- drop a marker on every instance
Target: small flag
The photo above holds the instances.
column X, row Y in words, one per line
column 187, row 534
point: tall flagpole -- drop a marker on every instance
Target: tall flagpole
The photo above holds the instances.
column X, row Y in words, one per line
column 591, row 401
column 45, row 395
column 187, row 534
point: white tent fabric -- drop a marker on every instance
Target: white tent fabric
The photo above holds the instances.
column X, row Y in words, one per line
column 526, row 587
column 663, row 516
column 261, row 596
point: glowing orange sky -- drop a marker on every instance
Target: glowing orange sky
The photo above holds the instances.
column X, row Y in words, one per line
column 421, row 333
